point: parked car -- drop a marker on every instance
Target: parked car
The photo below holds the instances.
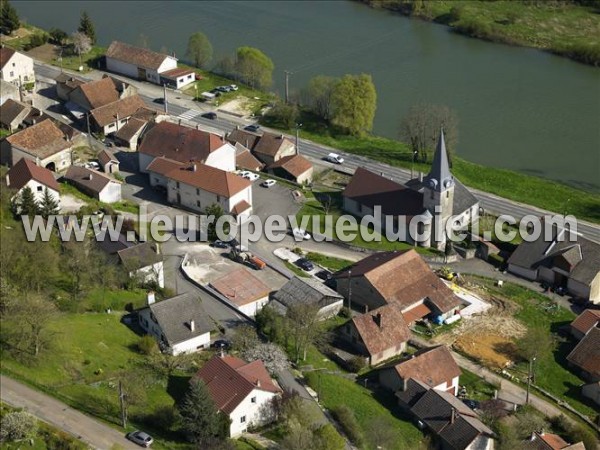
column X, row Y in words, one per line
column 253, row 128
column 305, row 264
column 219, row 244
column 473, row 404
column 252, row 176
column 323, row 274
column 140, row 438
column 300, row 233
column 244, row 173
column 216, row 92
column 334, row 158
column 221, row 343
column 159, row 100
column 233, row 87
column 268, row 183
column 209, row 115
column 94, row 165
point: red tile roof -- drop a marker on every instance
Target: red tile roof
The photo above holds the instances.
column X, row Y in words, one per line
column 141, row 57
column 163, row 166
column 270, row 144
column 5, row 54
column 416, row 313
column 88, row 179
column 382, row 328
column 432, row 366
column 209, row 179
column 241, row 287
column 131, row 128
column 241, row 206
column 42, row 139
column 105, row 156
column 179, row 143
column 587, row 320
column 245, row 160
column 295, row 165
column 25, row 170
column 586, row 354
column 230, row 380
column 121, row 109
column 102, row 92
column 175, row 73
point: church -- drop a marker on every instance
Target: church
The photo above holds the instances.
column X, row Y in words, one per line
column 428, row 201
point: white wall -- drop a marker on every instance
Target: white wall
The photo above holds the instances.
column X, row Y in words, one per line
column 111, row 193
column 522, row 272
column 153, row 273
column 62, row 159
column 38, row 191
column 169, row 63
column 18, row 65
column 121, row 67
column 250, row 410
column 192, row 345
column 222, row 158
column 445, row 386
column 251, row 309
column 245, row 194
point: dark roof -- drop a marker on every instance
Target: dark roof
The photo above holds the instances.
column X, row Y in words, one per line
column 130, row 129
column 382, row 328
column 241, row 287
column 209, row 179
column 174, row 314
column 179, row 143
column 439, row 177
column 105, row 156
column 270, row 144
column 295, row 165
column 542, row 253
column 140, row 256
column 11, row 109
column 141, row 57
column 403, row 278
column 245, row 160
column 587, row 320
column 586, row 354
column 246, row 138
column 5, row 54
column 121, row 109
column 25, row 170
column 230, row 380
column 370, row 190
column 415, row 389
column 306, row 291
column 433, row 366
column 42, row 139
column 88, row 179
column 112, row 247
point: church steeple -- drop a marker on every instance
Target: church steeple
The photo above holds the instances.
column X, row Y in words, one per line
column 439, row 178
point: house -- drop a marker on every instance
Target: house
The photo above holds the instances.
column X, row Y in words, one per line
column 48, row 144
column 244, row 290
column 455, row 425
column 245, row 160
column 402, row 278
column 586, row 355
column 434, row 366
column 592, row 391
column 144, row 262
column 246, row 139
column 185, row 145
column 129, row 134
column 108, row 161
column 143, row 64
column 308, row 291
column 109, row 118
column 38, row 179
column 179, row 323
column 549, row 441
column 95, row 184
column 267, row 147
column 84, row 96
column 378, row 335
column 197, row 186
column 584, row 322
column 295, row 168
column 431, row 201
column 8, row 91
column 15, row 67
column 13, row 113
column 565, row 259
column 240, row 390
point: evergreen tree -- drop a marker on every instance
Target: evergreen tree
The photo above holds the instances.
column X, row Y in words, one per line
column 26, row 205
column 200, row 418
column 9, row 19
column 48, row 206
column 87, row 27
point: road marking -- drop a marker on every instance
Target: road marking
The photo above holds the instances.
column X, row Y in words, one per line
column 189, row 114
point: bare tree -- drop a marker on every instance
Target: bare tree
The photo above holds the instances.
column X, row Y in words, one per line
column 304, row 328
column 32, row 314
column 273, row 357
column 82, row 44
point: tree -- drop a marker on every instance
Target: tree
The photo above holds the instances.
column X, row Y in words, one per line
column 25, row 204
column 528, row 421
column 58, row 36
column 199, row 49
column 244, row 337
column 81, row 43
column 199, row 414
column 48, row 206
column 32, row 314
column 274, row 359
column 420, row 129
column 354, row 101
column 320, row 94
column 17, row 426
column 304, row 328
column 217, row 211
column 327, row 438
column 87, row 27
column 254, row 67
column 284, row 113
column 9, row 18
column 536, row 343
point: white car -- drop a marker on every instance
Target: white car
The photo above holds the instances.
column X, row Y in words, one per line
column 251, row 176
column 244, row 173
column 233, row 87
column 94, row 165
column 299, row 233
column 268, row 183
column 334, row 158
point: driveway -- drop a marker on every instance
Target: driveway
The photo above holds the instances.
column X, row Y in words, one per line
column 56, row 413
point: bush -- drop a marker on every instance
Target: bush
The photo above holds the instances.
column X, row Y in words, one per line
column 356, row 364
column 36, row 40
column 147, row 345
column 18, row 425
column 347, row 420
column 573, row 432
column 345, row 312
column 163, row 417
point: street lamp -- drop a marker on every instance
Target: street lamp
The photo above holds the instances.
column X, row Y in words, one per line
column 414, row 154
column 298, row 126
column 529, row 377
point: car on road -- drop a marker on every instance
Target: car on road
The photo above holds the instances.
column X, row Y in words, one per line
column 253, row 128
column 323, row 275
column 159, row 100
column 334, row 158
column 299, row 233
column 219, row 244
column 252, row 176
column 268, row 183
column 233, row 87
column 210, row 115
column 221, row 343
column 305, row 264
column 140, row 438
column 244, row 173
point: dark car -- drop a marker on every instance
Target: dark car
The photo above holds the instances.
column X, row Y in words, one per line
column 221, row 343
column 210, row 115
column 252, row 128
column 305, row 264
column 216, row 92
column 140, row 438
column 323, row 275
column 159, row 100
column 219, row 244
column 473, row 404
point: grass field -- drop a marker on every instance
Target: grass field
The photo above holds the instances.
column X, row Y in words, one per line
column 329, row 262
column 123, row 205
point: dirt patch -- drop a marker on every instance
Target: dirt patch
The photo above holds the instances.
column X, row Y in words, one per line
column 333, row 179
column 241, row 106
column 46, row 52
column 20, row 33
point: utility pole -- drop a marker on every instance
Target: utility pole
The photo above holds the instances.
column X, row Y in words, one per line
column 529, row 377
column 165, row 98
column 287, row 85
column 87, row 119
column 122, row 403
column 298, row 126
column 349, row 289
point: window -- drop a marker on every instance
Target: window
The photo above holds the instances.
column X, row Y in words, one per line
column 40, row 188
column 218, row 199
column 253, row 400
column 14, row 65
column 198, row 204
column 448, row 194
column 243, row 419
column 197, row 191
column 12, row 74
column 432, row 194
column 177, row 184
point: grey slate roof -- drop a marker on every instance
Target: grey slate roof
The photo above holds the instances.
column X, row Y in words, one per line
column 439, row 176
column 174, row 314
column 139, row 256
column 306, row 291
column 415, row 389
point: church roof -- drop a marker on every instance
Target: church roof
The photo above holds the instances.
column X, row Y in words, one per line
column 439, row 177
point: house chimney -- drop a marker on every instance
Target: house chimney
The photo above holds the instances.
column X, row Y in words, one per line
column 281, row 136
column 420, row 176
column 192, row 325
column 7, row 180
column 257, row 383
column 194, row 167
column 90, row 177
column 151, row 298
column 452, row 416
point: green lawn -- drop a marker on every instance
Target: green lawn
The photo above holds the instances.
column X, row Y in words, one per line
column 296, row 270
column 123, row 205
column 329, row 262
column 477, row 388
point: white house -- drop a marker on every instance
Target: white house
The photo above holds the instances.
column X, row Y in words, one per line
column 179, row 323
column 16, row 67
column 244, row 290
column 95, row 184
column 145, row 262
column 26, row 173
column 111, row 117
column 185, row 145
column 239, row 389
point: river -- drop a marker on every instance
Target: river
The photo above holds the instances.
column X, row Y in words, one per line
column 518, row 108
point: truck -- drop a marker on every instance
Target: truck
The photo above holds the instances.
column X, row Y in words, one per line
column 245, row 257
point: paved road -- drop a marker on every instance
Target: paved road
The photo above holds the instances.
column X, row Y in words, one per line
column 56, row 413
column 489, row 202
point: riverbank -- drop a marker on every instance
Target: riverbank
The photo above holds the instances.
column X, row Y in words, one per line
column 569, row 30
